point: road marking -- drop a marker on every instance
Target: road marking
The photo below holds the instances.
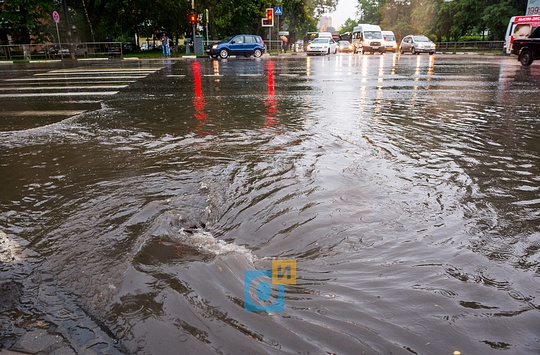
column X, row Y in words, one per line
column 62, row 87
column 78, row 78
column 44, row 113
column 49, row 94
column 93, row 72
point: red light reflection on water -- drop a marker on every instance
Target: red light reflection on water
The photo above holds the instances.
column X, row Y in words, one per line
column 271, row 101
column 199, row 101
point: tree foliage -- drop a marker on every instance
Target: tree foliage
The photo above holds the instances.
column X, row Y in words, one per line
column 97, row 20
column 440, row 19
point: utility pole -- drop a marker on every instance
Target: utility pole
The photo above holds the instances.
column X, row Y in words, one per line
column 68, row 30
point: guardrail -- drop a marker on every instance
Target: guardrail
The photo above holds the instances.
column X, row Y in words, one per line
column 470, row 45
column 116, row 49
column 61, row 50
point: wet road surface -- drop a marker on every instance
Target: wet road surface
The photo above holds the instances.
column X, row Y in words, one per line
column 136, row 195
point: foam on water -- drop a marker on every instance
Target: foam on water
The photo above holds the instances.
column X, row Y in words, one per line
column 205, row 242
column 10, row 250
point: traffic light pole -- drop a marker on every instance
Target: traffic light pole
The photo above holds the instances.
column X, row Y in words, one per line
column 193, row 34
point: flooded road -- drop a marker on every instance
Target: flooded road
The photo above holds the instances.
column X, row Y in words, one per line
column 407, row 190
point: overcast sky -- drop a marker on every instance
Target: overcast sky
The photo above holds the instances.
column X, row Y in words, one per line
column 344, row 10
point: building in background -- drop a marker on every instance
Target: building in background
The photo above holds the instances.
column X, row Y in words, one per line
column 325, row 23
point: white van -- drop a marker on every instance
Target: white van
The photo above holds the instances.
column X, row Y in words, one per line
column 519, row 27
column 368, row 38
column 390, row 41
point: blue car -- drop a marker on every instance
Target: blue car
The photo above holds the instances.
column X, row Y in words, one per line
column 246, row 45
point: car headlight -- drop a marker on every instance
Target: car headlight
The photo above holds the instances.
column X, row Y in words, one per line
column 214, row 46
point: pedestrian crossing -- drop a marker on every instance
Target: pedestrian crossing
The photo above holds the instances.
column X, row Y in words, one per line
column 73, row 82
column 53, row 95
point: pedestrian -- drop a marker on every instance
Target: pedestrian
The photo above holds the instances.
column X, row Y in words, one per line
column 165, row 45
column 284, row 43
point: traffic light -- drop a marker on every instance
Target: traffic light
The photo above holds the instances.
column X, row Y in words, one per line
column 269, row 20
column 192, row 17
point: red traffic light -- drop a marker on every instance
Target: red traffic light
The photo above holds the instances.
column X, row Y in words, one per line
column 269, row 14
column 192, row 17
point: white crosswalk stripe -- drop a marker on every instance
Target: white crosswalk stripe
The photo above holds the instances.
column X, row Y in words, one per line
column 77, row 90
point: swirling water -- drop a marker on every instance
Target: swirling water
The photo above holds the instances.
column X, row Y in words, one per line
column 406, row 189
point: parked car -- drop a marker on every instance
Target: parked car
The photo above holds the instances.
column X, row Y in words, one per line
column 299, row 46
column 244, row 44
column 322, row 46
column 129, row 47
column 416, row 45
column 345, row 46
column 147, row 47
column 56, row 51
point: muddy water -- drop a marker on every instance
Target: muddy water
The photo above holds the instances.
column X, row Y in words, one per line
column 406, row 189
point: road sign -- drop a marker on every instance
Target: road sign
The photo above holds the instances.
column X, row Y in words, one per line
column 278, row 11
column 56, row 16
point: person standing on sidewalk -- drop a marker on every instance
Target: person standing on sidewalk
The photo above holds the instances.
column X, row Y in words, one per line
column 165, row 45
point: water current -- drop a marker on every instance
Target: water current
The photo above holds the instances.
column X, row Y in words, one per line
column 407, row 190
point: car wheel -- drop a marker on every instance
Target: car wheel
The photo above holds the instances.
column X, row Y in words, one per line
column 224, row 54
column 335, row 51
column 526, row 57
column 257, row 53
column 431, row 53
column 401, row 51
column 413, row 51
column 362, row 50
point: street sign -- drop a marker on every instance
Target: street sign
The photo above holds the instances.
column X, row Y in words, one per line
column 278, row 10
column 56, row 16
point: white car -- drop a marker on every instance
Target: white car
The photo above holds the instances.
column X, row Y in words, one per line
column 322, row 46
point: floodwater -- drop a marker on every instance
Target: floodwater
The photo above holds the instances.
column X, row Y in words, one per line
column 407, row 190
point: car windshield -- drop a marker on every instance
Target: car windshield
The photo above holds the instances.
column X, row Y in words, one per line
column 373, row 35
column 344, row 43
column 421, row 39
column 321, row 40
column 389, row 38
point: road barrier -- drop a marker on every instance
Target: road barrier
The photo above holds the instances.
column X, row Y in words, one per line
column 61, row 50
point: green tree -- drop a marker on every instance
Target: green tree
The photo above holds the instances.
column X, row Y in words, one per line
column 348, row 25
column 370, row 11
column 27, row 20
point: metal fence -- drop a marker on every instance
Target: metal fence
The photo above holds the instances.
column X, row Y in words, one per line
column 61, row 50
column 470, row 45
column 118, row 49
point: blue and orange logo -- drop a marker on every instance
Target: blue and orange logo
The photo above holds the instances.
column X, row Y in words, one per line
column 283, row 273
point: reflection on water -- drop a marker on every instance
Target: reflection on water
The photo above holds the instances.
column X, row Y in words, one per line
column 405, row 187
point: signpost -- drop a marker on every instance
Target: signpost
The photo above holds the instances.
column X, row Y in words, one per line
column 56, row 18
